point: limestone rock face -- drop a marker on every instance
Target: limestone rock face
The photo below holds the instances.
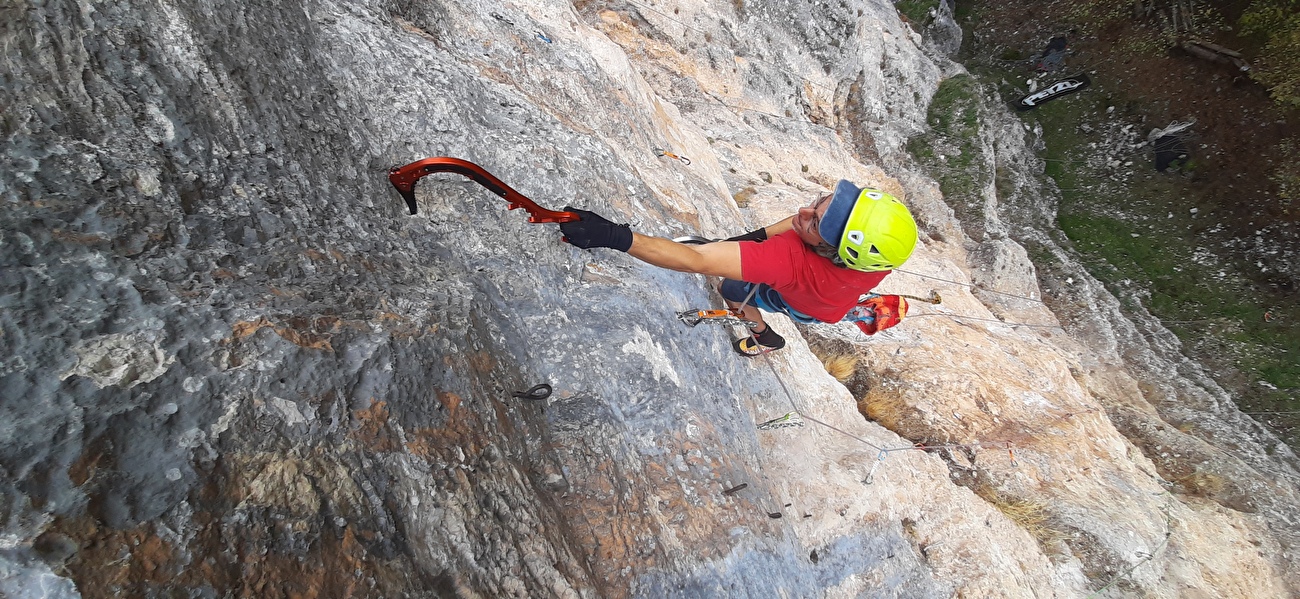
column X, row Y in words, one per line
column 232, row 364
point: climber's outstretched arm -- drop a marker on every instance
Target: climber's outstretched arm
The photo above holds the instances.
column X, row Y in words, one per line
column 721, row 259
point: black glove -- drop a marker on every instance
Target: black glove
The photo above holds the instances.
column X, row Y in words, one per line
column 755, row 235
column 595, row 231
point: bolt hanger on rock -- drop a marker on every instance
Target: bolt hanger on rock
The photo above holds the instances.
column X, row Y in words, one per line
column 405, row 177
column 736, row 489
column 534, row 393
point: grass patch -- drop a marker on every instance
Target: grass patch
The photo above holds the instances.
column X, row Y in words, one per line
column 951, row 151
column 840, row 366
column 917, row 11
column 1201, row 484
column 1134, row 228
column 892, row 411
column 1031, row 516
column 1142, row 239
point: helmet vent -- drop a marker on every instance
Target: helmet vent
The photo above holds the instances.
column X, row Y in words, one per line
column 875, row 195
column 855, row 236
column 873, row 250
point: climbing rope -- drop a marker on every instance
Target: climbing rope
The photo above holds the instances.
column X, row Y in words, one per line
column 705, row 33
column 1169, row 531
column 883, row 451
column 667, row 16
column 1005, row 322
column 937, row 299
column 934, row 298
column 971, row 285
column 742, row 108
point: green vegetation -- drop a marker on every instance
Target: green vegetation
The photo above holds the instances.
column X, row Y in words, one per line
column 1268, row 29
column 951, row 150
column 1287, row 176
column 1273, row 26
column 1277, row 24
column 1154, row 238
column 1143, row 240
column 917, row 11
column 1161, row 24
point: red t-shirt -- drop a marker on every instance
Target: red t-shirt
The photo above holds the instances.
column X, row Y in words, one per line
column 807, row 282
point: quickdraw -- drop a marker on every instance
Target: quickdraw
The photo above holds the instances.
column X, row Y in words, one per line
column 720, row 317
column 405, row 177
column 787, row 420
column 662, row 153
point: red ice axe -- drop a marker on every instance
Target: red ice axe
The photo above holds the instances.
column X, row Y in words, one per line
column 405, row 177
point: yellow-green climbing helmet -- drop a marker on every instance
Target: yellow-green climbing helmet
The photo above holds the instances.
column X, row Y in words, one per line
column 878, row 232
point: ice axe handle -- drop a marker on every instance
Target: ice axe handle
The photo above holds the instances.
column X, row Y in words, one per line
column 405, row 177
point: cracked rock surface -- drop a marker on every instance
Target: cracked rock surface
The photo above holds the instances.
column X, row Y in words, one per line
column 232, row 364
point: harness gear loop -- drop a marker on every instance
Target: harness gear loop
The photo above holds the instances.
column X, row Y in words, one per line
column 405, row 177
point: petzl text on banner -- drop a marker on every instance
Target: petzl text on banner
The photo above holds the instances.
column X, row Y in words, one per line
column 1057, row 89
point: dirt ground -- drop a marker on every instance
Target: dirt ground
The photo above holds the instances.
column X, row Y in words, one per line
column 1234, row 142
column 1238, row 127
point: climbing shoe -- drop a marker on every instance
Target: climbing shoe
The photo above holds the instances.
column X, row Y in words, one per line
column 759, row 343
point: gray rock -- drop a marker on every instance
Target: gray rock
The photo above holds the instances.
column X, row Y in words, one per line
column 224, row 342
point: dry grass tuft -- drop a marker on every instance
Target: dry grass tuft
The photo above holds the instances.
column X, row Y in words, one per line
column 840, row 366
column 743, row 196
column 840, row 362
column 1029, row 515
column 892, row 411
column 1201, row 484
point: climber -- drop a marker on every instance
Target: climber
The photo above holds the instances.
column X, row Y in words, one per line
column 788, row 267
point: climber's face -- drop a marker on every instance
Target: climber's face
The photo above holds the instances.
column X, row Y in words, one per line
column 809, row 219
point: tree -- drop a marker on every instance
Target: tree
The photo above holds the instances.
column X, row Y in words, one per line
column 1277, row 23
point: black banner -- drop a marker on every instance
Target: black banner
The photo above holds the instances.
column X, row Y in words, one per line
column 1057, row 89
